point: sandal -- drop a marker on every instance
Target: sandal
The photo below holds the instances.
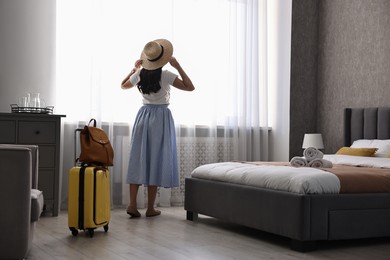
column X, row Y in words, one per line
column 133, row 214
column 152, row 213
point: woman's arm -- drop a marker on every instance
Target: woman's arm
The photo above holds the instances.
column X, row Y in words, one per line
column 126, row 84
column 185, row 82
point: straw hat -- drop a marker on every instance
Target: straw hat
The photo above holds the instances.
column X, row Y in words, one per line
column 156, row 54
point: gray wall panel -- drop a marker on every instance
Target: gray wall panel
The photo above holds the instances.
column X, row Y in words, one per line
column 303, row 94
column 353, row 63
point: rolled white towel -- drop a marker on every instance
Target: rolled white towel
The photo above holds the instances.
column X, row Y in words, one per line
column 298, row 161
column 312, row 153
column 320, row 163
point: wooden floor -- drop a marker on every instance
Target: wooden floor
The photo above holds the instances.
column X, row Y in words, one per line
column 171, row 236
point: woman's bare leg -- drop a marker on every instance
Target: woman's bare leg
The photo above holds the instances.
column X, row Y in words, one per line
column 151, row 212
column 132, row 208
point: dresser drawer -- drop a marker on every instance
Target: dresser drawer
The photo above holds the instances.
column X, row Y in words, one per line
column 46, row 183
column 47, row 156
column 7, row 132
column 37, row 132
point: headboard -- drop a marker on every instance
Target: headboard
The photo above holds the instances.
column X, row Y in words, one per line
column 366, row 123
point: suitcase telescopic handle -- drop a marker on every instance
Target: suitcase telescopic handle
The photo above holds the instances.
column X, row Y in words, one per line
column 75, row 145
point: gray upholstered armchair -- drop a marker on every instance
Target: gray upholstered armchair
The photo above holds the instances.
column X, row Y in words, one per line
column 22, row 203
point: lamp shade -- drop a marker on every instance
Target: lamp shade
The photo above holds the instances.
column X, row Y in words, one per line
column 313, row 140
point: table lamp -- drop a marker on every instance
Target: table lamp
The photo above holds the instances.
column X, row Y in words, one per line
column 313, row 140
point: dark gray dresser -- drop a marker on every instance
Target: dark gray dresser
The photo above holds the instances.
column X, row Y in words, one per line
column 43, row 130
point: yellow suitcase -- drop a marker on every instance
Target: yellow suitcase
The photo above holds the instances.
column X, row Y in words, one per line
column 88, row 199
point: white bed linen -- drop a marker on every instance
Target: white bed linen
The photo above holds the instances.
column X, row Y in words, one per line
column 362, row 161
column 304, row 180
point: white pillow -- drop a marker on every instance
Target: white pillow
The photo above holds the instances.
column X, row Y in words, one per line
column 362, row 143
column 382, row 145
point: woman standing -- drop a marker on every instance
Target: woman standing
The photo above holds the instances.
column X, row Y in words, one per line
column 153, row 157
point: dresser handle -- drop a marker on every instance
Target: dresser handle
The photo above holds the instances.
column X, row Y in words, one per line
column 37, row 132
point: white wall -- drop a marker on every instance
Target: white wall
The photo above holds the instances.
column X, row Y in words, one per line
column 27, row 50
column 279, row 48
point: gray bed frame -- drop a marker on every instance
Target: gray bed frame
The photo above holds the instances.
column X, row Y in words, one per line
column 304, row 219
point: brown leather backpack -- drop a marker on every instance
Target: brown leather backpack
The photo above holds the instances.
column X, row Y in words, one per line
column 96, row 148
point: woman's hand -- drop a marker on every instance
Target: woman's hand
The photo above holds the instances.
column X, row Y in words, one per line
column 126, row 82
column 174, row 63
column 185, row 82
column 138, row 64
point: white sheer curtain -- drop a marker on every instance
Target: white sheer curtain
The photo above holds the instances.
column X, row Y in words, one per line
column 221, row 44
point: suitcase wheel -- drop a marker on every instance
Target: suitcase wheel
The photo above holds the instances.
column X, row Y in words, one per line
column 74, row 231
column 90, row 232
column 106, row 228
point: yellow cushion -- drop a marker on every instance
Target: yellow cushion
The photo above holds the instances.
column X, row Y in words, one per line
column 357, row 151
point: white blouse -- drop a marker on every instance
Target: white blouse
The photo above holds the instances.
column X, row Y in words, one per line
column 163, row 95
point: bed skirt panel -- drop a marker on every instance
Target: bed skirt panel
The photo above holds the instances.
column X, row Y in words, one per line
column 297, row 216
column 272, row 211
column 336, row 217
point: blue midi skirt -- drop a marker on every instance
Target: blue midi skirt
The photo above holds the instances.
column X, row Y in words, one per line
column 153, row 156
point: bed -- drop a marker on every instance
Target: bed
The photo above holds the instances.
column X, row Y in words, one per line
column 304, row 218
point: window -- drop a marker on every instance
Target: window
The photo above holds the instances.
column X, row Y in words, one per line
column 215, row 41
